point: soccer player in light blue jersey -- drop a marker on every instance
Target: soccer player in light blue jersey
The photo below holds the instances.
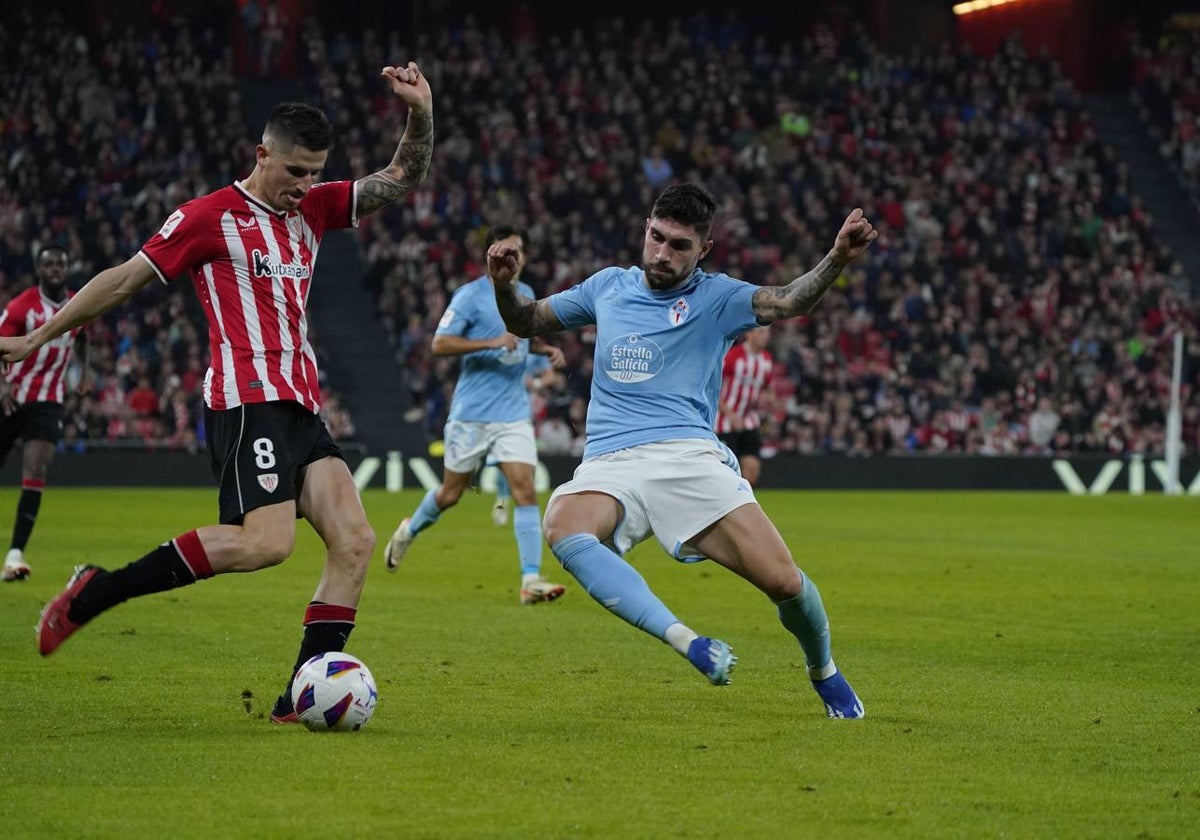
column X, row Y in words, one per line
column 652, row 463
column 535, row 365
column 489, row 413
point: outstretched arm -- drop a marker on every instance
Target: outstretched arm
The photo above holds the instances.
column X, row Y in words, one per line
column 773, row 303
column 410, row 164
column 456, row 345
column 523, row 316
column 107, row 290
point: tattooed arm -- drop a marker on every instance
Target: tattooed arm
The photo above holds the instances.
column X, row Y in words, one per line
column 410, row 164
column 773, row 303
column 522, row 316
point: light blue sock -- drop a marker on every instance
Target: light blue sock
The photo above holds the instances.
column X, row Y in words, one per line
column 614, row 583
column 426, row 513
column 503, row 492
column 804, row 616
column 527, row 525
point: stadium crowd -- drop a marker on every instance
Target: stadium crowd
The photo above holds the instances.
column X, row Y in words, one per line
column 1018, row 299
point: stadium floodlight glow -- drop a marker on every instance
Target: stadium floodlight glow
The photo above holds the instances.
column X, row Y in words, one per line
column 978, row 6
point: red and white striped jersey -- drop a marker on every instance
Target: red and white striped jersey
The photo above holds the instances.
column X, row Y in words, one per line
column 38, row 378
column 251, row 267
column 743, row 376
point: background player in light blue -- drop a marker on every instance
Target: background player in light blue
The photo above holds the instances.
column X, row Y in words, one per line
column 489, row 413
column 535, row 365
column 652, row 463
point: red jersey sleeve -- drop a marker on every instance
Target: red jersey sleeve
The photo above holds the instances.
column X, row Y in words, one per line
column 330, row 206
column 187, row 239
column 11, row 320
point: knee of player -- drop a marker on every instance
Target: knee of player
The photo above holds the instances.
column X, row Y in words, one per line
column 552, row 528
column 273, row 549
column 362, row 541
column 448, row 496
column 787, row 584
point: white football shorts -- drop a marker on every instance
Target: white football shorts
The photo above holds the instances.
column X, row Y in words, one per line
column 468, row 444
column 673, row 489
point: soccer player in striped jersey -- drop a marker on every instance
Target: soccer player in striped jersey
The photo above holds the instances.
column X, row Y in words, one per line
column 746, row 370
column 652, row 464
column 31, row 395
column 249, row 250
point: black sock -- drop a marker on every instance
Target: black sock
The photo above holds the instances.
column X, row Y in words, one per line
column 27, row 511
column 320, row 636
column 158, row 571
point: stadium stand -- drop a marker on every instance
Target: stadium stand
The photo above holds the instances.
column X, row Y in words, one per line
column 1019, row 300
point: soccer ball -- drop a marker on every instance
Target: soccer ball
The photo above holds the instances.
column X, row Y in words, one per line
column 334, row 691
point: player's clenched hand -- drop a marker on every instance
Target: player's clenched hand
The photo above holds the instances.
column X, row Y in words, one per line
column 506, row 341
column 503, row 262
column 410, row 84
column 856, row 234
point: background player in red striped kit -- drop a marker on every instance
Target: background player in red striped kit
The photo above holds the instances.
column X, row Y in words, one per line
column 31, row 395
column 249, row 250
column 746, row 369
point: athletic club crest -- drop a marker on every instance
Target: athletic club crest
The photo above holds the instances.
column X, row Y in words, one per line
column 678, row 312
column 269, row 481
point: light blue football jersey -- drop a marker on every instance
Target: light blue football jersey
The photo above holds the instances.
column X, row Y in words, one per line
column 658, row 355
column 491, row 383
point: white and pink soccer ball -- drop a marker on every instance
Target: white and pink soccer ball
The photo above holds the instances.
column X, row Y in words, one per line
column 334, row 692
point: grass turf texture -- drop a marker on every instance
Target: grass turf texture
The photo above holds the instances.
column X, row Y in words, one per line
column 1027, row 661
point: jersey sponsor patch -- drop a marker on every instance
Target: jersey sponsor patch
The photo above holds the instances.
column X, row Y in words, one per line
column 447, row 320
column 632, row 358
column 170, row 224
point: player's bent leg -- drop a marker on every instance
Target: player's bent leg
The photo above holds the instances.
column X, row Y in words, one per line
column 35, row 459
column 92, row 590
column 747, row 542
column 330, row 501
column 265, row 538
column 527, row 529
column 575, row 525
column 433, row 504
column 36, row 456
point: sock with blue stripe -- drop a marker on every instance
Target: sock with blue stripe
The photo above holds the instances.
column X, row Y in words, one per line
column 426, row 513
column 804, row 617
column 527, row 526
column 614, row 583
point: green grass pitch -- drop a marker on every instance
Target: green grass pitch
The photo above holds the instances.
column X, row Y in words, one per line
column 1028, row 663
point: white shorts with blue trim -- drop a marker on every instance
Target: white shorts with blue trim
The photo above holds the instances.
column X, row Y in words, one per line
column 672, row 489
column 468, row 444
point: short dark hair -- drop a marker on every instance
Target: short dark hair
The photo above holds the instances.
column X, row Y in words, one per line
column 299, row 124
column 498, row 232
column 52, row 247
column 688, row 204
